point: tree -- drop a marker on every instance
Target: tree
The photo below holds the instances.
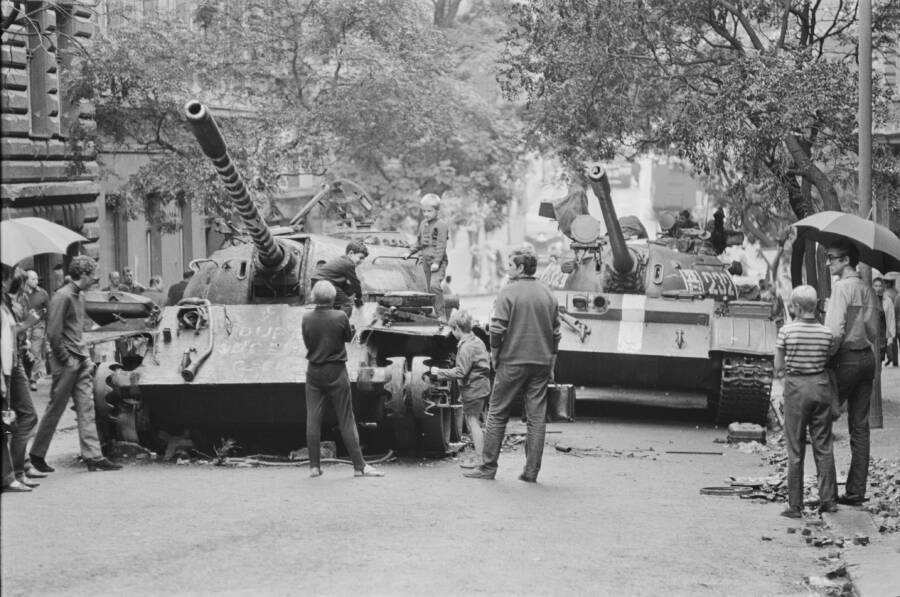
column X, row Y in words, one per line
column 346, row 88
column 759, row 95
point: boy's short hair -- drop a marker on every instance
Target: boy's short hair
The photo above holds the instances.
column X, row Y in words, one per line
column 357, row 247
column 805, row 297
column 527, row 260
column 462, row 320
column 80, row 266
column 323, row 293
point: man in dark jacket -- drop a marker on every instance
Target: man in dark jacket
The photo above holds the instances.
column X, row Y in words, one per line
column 525, row 337
column 341, row 272
column 325, row 332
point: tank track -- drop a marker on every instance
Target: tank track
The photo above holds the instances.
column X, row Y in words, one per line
column 745, row 389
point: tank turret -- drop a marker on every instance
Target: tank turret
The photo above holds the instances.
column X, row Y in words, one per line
column 623, row 262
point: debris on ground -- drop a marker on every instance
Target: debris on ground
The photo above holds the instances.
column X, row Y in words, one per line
column 746, row 432
column 884, row 494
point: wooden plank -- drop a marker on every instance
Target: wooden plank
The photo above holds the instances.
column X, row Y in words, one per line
column 13, row 102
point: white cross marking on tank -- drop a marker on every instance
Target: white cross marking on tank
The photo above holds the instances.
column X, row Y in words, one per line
column 631, row 328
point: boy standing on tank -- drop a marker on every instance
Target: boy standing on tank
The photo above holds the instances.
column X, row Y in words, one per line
column 472, row 371
column 802, row 349
column 431, row 245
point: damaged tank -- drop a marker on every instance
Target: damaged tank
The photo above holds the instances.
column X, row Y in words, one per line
column 641, row 317
column 228, row 360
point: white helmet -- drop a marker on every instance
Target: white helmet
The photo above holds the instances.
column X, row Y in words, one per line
column 430, row 200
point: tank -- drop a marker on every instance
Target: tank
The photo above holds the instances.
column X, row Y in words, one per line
column 641, row 317
column 229, row 362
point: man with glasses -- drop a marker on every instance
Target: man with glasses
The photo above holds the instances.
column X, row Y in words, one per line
column 853, row 318
column 341, row 272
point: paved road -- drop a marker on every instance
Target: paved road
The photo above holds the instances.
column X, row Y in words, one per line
column 627, row 520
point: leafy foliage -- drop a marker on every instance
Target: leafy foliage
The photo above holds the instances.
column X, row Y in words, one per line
column 364, row 89
column 759, row 96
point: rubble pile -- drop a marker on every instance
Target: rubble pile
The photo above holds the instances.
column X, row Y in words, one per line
column 884, row 494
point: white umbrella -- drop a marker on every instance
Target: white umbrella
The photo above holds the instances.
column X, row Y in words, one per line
column 26, row 237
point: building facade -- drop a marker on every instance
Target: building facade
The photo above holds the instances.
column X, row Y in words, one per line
column 40, row 173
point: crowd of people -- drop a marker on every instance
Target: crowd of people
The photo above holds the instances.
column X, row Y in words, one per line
column 827, row 367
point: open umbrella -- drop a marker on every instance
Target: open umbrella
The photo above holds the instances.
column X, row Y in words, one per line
column 878, row 246
column 26, row 237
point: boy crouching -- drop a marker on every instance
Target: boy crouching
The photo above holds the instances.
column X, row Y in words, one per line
column 802, row 348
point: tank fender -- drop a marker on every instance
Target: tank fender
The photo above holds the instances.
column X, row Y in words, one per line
column 743, row 335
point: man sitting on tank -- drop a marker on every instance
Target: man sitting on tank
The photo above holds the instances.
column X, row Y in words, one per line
column 341, row 272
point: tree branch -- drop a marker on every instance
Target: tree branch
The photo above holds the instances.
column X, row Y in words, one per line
column 745, row 24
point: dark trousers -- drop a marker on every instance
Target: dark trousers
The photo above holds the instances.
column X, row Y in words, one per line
column 433, row 281
column 807, row 405
column 75, row 381
column 26, row 417
column 330, row 381
column 892, row 351
column 511, row 382
column 855, row 372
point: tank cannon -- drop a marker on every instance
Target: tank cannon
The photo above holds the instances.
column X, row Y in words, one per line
column 643, row 318
column 228, row 360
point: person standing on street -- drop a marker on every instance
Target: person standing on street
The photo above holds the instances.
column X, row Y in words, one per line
column 17, row 471
column 890, row 291
column 853, row 317
column 802, row 349
column 525, row 336
column 431, row 245
column 72, row 371
column 341, row 272
column 890, row 327
column 325, row 332
column 39, row 300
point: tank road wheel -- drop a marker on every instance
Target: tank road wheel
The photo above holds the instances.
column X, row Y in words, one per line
column 396, row 402
column 434, row 423
column 744, row 391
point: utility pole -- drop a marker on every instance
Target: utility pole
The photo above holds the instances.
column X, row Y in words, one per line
column 864, row 189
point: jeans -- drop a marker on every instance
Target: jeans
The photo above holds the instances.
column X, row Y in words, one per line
column 511, row 382
column 26, row 418
column 330, row 381
column 74, row 381
column 807, row 404
column 472, row 412
column 855, row 371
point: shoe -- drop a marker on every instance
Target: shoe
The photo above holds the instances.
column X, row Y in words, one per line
column 480, row 473
column 850, row 500
column 21, row 479
column 792, row 513
column 102, row 464
column 33, row 473
column 527, row 478
column 828, row 507
column 16, row 487
column 315, row 472
column 40, row 464
column 369, row 471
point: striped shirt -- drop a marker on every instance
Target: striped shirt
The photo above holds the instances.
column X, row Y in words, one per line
column 807, row 346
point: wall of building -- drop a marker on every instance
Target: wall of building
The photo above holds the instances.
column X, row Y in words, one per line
column 37, row 178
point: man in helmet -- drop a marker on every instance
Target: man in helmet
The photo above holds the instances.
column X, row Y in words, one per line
column 431, row 245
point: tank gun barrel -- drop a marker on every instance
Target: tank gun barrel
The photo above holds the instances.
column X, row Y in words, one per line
column 271, row 254
column 623, row 261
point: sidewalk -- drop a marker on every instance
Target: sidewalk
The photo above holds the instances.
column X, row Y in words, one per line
column 874, row 568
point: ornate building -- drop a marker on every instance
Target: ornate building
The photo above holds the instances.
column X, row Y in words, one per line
column 40, row 175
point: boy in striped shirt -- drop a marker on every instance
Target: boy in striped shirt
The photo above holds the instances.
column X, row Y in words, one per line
column 802, row 348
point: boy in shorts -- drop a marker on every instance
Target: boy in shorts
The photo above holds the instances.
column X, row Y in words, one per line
column 472, row 371
column 802, row 348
